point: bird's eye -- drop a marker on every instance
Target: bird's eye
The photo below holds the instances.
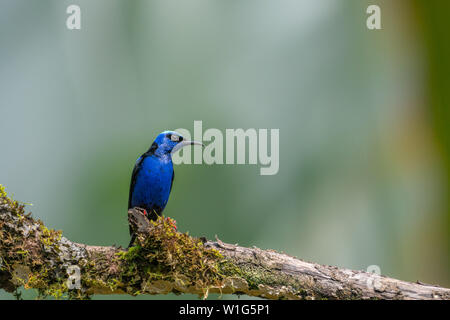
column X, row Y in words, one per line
column 175, row 138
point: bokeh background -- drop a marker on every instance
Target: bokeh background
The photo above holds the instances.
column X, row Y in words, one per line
column 363, row 118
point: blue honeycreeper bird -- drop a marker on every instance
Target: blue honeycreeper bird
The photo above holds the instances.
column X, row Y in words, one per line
column 152, row 177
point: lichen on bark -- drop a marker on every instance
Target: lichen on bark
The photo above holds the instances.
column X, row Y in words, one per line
column 164, row 260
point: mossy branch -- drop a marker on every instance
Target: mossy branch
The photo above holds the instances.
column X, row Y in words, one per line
column 165, row 261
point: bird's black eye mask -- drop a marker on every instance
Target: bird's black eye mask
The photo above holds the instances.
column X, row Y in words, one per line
column 175, row 138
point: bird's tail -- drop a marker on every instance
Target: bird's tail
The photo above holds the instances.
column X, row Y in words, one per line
column 133, row 237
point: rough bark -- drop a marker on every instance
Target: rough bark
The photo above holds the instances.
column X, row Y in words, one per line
column 165, row 261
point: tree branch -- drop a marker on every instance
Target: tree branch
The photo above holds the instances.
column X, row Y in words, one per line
column 165, row 261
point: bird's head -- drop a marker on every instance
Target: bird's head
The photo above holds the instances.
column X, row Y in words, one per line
column 169, row 142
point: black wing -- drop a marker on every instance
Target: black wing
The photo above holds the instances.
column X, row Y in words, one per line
column 136, row 169
column 171, row 183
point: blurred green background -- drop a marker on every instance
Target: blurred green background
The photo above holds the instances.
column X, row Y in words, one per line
column 363, row 118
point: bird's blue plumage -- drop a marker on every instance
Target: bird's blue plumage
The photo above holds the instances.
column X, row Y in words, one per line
column 152, row 183
column 152, row 177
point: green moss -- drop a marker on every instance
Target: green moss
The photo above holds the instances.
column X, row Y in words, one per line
column 165, row 254
column 49, row 237
column 15, row 207
column 161, row 255
column 27, row 267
